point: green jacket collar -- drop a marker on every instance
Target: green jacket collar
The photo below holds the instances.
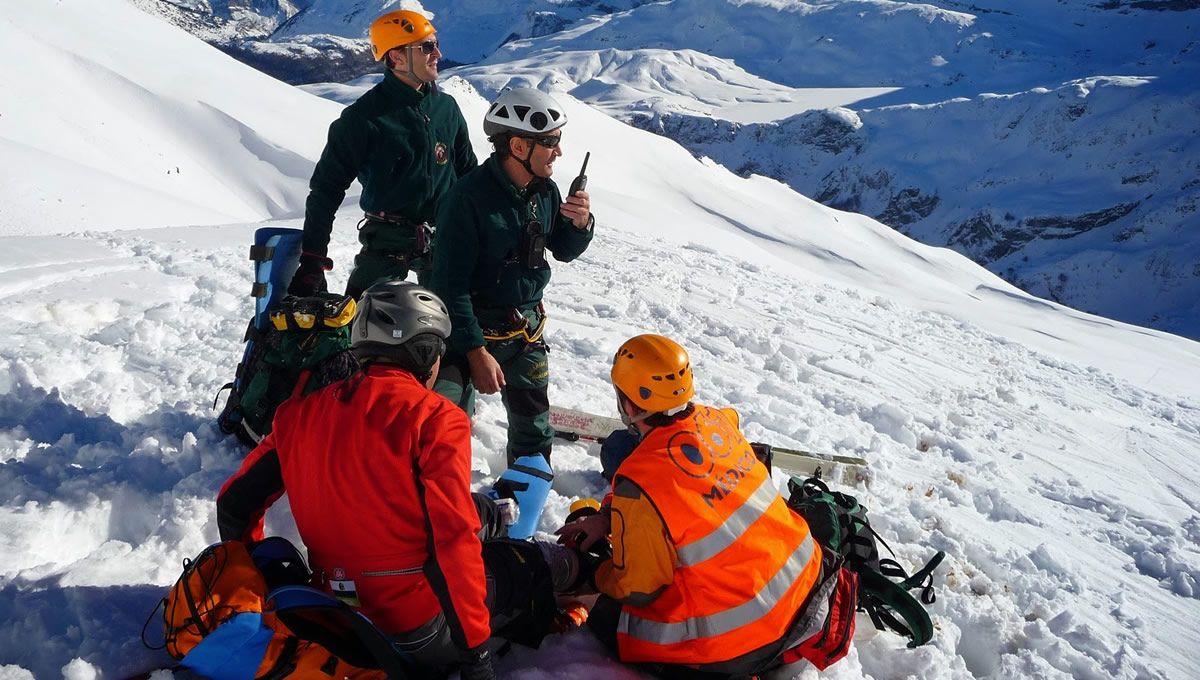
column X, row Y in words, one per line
column 403, row 93
column 496, row 167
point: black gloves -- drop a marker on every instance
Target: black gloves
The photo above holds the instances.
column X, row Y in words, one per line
column 310, row 277
column 477, row 665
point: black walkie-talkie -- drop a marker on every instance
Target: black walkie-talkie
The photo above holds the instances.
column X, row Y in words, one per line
column 580, row 183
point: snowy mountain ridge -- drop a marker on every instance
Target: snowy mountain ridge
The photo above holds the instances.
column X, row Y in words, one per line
column 1088, row 197
column 1063, row 163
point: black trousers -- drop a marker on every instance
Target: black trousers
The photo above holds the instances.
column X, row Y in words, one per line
column 520, row 598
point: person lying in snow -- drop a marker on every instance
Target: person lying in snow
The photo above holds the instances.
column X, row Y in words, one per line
column 377, row 468
column 711, row 572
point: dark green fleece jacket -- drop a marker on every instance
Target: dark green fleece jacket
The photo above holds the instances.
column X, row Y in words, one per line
column 478, row 267
column 406, row 147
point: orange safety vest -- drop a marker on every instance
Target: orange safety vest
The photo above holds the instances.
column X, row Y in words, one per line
column 746, row 563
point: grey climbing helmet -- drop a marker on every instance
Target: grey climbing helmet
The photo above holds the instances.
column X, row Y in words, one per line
column 401, row 323
column 523, row 111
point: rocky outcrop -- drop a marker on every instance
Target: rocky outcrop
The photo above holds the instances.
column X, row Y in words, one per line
column 1040, row 187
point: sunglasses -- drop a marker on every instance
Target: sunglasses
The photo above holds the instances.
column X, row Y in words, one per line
column 548, row 141
column 426, row 47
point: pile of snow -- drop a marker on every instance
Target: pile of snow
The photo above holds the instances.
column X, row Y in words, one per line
column 1048, row 452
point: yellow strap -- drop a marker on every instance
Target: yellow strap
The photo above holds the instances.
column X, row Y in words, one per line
column 306, row 321
column 345, row 317
column 522, row 331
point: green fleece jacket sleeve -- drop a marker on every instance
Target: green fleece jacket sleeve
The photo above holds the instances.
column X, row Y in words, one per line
column 345, row 151
column 455, row 256
column 464, row 155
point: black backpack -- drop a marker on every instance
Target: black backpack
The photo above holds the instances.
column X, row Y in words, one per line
column 301, row 334
column 839, row 523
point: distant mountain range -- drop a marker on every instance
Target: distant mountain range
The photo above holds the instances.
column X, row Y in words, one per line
column 1058, row 144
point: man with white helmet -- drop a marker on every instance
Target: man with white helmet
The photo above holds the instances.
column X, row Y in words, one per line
column 406, row 142
column 490, row 265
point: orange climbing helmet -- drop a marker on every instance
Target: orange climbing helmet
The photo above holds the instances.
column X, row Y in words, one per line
column 397, row 29
column 654, row 372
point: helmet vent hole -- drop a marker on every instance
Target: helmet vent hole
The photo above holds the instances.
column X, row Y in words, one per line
column 555, row 115
column 644, row 392
column 656, row 378
column 501, row 112
column 385, row 317
column 521, row 112
column 538, row 121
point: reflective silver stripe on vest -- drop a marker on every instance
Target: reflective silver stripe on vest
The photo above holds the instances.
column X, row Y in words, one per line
column 731, row 529
column 722, row 622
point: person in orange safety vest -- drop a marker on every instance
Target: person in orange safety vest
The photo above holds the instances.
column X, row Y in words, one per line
column 711, row 575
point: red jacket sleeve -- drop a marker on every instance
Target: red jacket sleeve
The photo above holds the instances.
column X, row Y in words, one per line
column 244, row 498
column 455, row 566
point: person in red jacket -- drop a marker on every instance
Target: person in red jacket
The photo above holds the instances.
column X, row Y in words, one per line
column 377, row 468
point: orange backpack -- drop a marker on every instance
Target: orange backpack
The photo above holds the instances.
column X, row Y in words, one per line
column 219, row 584
column 221, row 622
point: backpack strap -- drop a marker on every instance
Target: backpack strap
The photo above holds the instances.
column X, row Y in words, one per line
column 881, row 597
column 314, row 615
column 923, row 579
column 301, row 382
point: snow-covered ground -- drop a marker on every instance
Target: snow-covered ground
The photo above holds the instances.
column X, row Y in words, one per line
column 1050, row 453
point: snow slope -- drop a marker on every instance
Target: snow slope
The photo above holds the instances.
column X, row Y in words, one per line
column 129, row 112
column 1047, row 451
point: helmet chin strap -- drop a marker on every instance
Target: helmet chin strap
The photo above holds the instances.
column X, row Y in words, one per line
column 525, row 161
column 631, row 422
column 529, row 167
column 409, row 72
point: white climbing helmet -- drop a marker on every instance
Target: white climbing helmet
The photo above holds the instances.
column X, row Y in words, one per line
column 523, row 111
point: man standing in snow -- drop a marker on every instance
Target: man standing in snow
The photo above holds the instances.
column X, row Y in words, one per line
column 377, row 468
column 490, row 265
column 711, row 572
column 407, row 143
